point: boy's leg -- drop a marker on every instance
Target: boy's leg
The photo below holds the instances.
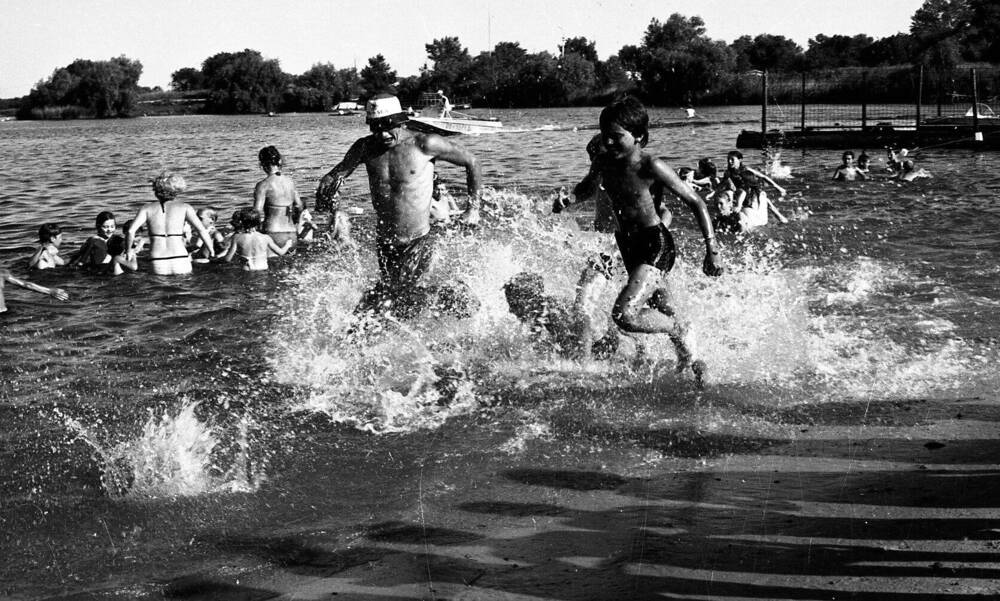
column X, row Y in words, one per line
column 632, row 312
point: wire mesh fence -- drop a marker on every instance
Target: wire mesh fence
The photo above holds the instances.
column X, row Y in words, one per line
column 864, row 98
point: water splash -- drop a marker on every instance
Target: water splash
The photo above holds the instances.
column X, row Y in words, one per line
column 174, row 454
column 794, row 332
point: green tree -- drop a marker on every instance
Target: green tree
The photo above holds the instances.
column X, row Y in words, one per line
column 243, row 82
column 677, row 62
column 581, row 46
column 836, row 51
column 452, row 70
column 86, row 88
column 766, row 51
column 377, row 76
column 187, row 79
column 896, row 49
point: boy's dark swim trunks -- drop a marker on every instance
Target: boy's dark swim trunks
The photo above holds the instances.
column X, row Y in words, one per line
column 653, row 245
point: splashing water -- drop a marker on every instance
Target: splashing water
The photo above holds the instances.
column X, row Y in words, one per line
column 175, row 454
column 788, row 330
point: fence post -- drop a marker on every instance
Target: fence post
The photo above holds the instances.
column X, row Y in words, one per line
column 864, row 101
column 920, row 96
column 976, row 134
column 802, row 121
column 763, row 110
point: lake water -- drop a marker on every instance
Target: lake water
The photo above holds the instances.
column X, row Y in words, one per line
column 154, row 427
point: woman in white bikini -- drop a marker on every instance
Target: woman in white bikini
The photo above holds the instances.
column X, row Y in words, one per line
column 165, row 218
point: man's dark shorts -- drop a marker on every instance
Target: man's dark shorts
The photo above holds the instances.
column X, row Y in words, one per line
column 653, row 245
column 402, row 265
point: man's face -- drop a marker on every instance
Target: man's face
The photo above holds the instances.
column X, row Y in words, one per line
column 386, row 132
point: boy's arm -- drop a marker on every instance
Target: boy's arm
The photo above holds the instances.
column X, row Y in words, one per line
column 53, row 292
column 440, row 148
column 137, row 223
column 331, row 182
column 231, row 252
column 37, row 257
column 590, row 184
column 665, row 175
column 767, row 179
column 128, row 263
column 279, row 250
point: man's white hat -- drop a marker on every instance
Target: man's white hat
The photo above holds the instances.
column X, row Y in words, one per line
column 385, row 108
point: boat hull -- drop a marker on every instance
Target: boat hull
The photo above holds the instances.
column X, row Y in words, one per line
column 450, row 127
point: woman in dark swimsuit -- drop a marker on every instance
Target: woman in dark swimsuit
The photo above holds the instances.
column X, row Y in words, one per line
column 276, row 199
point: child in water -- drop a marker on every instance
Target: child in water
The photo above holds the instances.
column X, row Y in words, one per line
column 847, row 171
column 94, row 251
column 199, row 252
column 443, row 204
column 120, row 260
column 629, row 175
column 47, row 255
column 7, row 278
column 251, row 245
column 864, row 162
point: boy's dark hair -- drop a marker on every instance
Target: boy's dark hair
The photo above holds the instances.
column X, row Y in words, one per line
column 706, row 167
column 631, row 115
column 684, row 171
column 102, row 217
column 269, row 156
column 116, row 245
column 735, row 153
column 863, row 157
column 847, row 153
column 48, row 231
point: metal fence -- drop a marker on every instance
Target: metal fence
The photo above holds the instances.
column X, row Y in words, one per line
column 859, row 98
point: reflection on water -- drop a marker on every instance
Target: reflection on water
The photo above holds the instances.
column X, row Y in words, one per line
column 153, row 410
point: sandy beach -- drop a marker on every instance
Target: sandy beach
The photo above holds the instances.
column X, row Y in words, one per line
column 886, row 501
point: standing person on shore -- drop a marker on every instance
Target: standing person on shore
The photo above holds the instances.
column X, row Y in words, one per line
column 166, row 217
column 277, row 200
column 629, row 175
column 400, row 165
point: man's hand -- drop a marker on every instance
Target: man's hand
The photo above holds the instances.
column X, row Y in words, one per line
column 712, row 265
column 327, row 190
column 469, row 217
column 562, row 200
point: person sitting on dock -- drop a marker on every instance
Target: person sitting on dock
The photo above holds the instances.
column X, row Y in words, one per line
column 847, row 171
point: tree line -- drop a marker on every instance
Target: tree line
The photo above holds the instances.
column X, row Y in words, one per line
column 675, row 63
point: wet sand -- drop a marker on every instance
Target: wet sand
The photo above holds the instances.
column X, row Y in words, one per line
column 885, row 501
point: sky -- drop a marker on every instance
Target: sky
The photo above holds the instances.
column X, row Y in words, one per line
column 39, row 36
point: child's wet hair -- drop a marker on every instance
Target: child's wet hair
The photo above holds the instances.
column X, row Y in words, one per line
column 167, row 186
column 734, row 154
column 102, row 217
column 47, row 232
column 847, row 153
column 116, row 245
column 246, row 219
column 269, row 157
column 631, row 115
column 683, row 172
column 863, row 158
column 706, row 167
column 202, row 212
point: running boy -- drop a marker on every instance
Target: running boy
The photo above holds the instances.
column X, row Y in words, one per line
column 628, row 175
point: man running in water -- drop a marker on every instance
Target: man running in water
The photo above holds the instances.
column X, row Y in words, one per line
column 400, row 165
